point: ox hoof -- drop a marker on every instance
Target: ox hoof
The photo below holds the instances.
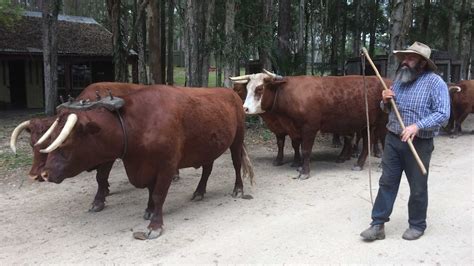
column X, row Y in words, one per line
column 299, row 169
column 238, row 193
column 277, row 162
column 197, row 196
column 175, row 178
column 147, row 215
column 356, row 168
column 302, row 176
column 151, row 234
column 97, row 206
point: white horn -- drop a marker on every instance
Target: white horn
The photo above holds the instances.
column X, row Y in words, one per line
column 16, row 132
column 457, row 88
column 71, row 121
column 241, row 81
column 273, row 75
column 243, row 77
column 48, row 132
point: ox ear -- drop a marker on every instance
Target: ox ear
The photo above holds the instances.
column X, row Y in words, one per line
column 91, row 128
column 272, row 83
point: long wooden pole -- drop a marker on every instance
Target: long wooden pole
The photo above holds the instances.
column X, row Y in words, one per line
column 397, row 113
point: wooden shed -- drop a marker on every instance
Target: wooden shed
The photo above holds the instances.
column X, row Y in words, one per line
column 84, row 57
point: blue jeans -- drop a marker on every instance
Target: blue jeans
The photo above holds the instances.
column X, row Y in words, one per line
column 397, row 157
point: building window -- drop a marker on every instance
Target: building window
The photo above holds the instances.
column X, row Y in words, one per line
column 81, row 76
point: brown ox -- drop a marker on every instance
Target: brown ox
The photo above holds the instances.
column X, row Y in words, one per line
column 462, row 104
column 280, row 131
column 38, row 126
column 312, row 104
column 165, row 129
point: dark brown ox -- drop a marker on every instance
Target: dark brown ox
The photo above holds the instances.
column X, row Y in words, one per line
column 166, row 129
column 38, row 126
column 280, row 131
column 326, row 104
column 462, row 104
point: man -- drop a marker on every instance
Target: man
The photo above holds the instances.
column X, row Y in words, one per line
column 423, row 101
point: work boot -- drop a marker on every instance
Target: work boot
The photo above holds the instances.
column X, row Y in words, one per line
column 374, row 232
column 412, row 234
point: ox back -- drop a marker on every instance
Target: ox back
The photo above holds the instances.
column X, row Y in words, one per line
column 462, row 104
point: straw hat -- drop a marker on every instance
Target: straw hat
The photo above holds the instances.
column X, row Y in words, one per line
column 417, row 48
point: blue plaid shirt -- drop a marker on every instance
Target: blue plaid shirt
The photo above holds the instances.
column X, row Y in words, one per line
column 424, row 101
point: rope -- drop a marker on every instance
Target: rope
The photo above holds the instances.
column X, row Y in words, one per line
column 362, row 61
column 122, row 124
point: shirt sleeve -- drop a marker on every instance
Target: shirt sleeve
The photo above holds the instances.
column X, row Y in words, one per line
column 440, row 107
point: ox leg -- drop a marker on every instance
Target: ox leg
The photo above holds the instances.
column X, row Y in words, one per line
column 201, row 188
column 236, row 153
column 307, row 146
column 281, row 146
column 296, row 143
column 363, row 155
column 176, row 176
column 336, row 141
column 151, row 204
column 158, row 196
column 346, row 150
column 102, row 177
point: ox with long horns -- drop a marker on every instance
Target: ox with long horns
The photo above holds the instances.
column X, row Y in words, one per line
column 163, row 129
column 462, row 104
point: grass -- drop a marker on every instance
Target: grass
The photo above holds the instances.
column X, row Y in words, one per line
column 10, row 161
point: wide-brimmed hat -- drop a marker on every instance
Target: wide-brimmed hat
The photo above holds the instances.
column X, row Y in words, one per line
column 417, row 48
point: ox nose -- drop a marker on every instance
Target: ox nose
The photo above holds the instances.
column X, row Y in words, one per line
column 35, row 177
column 246, row 110
column 45, row 175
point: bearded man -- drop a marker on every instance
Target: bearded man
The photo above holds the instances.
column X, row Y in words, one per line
column 423, row 101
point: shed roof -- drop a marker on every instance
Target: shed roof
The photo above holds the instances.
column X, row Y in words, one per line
column 77, row 36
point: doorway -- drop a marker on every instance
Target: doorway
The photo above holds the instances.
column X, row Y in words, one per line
column 17, row 83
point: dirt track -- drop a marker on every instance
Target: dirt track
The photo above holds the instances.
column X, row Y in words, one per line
column 287, row 221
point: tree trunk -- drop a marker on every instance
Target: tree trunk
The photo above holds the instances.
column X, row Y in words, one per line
column 169, row 62
column 163, row 39
column 154, row 42
column 229, row 64
column 119, row 51
column 141, row 44
column 50, row 10
column 356, row 32
column 264, row 51
column 426, row 21
column 300, row 53
column 284, row 26
column 197, row 36
column 373, row 26
column 400, row 23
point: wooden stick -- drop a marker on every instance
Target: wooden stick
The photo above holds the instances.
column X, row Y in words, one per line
column 397, row 113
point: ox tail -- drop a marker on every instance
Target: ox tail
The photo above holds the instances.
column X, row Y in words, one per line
column 454, row 89
column 247, row 167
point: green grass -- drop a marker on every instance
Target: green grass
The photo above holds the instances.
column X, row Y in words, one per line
column 180, row 76
column 9, row 161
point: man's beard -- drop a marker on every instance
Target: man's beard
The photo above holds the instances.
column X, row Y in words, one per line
column 406, row 74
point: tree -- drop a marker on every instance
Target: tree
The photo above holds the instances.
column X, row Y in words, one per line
column 197, row 41
column 400, row 22
column 154, row 42
column 50, row 10
column 267, row 33
column 230, row 64
column 170, row 37
column 120, row 54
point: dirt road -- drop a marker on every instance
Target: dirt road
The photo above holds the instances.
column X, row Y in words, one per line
column 287, row 221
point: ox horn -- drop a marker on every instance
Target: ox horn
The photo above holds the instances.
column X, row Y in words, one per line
column 241, row 81
column 16, row 132
column 456, row 88
column 48, row 132
column 243, row 77
column 273, row 75
column 71, row 121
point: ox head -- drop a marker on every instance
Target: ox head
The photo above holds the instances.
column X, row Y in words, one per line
column 80, row 143
column 39, row 138
column 252, row 103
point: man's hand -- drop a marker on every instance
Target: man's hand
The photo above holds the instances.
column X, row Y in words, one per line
column 409, row 132
column 387, row 95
